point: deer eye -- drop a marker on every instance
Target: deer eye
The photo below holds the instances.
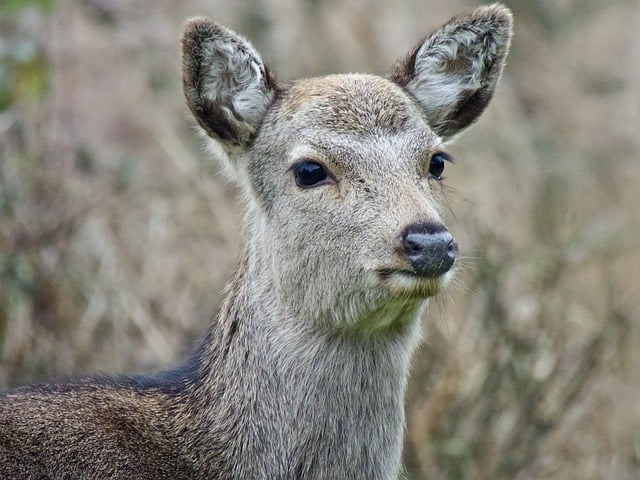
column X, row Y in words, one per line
column 436, row 164
column 310, row 174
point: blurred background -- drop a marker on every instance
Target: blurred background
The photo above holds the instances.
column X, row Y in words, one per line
column 117, row 233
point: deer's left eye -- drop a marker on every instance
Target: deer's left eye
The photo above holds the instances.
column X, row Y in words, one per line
column 436, row 164
column 308, row 174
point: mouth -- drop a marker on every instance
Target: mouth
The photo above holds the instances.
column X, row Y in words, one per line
column 406, row 284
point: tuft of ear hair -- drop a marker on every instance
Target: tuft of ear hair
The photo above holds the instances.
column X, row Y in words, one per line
column 226, row 84
column 453, row 73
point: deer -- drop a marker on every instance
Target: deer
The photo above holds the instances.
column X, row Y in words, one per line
column 302, row 374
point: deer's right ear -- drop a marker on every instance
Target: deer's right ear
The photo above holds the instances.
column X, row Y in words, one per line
column 227, row 86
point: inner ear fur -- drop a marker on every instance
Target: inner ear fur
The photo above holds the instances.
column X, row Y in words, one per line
column 453, row 73
column 226, row 84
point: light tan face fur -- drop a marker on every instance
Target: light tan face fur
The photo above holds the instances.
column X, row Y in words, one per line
column 374, row 140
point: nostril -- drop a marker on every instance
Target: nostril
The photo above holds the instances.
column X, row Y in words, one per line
column 452, row 248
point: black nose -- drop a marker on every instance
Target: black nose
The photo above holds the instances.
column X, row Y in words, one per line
column 430, row 249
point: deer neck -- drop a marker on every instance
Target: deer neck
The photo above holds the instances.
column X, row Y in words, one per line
column 296, row 401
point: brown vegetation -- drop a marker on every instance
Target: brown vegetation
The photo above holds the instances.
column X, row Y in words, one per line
column 117, row 234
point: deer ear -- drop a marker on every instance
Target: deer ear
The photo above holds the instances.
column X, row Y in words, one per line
column 227, row 86
column 453, row 73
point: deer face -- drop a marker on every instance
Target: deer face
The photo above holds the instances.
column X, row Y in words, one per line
column 347, row 174
column 343, row 172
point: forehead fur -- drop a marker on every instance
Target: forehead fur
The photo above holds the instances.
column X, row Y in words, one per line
column 355, row 103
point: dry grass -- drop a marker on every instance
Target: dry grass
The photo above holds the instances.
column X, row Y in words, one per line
column 117, row 235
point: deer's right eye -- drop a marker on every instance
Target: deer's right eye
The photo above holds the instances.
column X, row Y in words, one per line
column 310, row 174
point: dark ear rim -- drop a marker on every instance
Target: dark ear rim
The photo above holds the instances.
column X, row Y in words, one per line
column 208, row 114
column 471, row 103
column 195, row 32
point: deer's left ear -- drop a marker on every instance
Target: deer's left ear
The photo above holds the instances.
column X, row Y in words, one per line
column 454, row 72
